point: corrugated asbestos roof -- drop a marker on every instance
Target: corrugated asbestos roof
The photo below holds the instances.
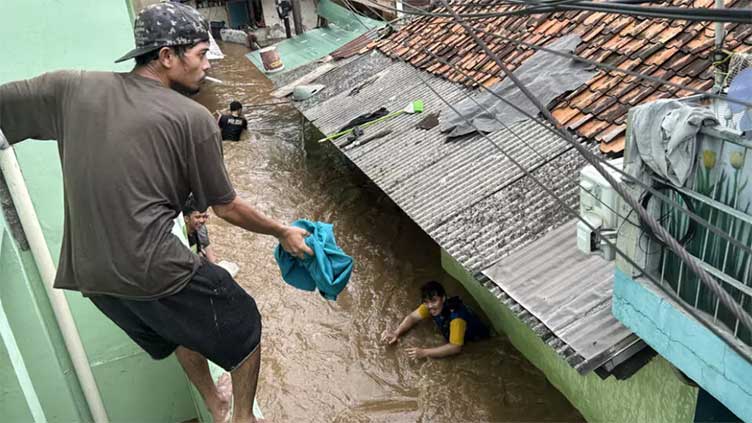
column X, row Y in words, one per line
column 674, row 50
column 566, row 290
column 466, row 194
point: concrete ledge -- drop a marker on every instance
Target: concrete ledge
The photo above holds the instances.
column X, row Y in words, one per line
column 684, row 342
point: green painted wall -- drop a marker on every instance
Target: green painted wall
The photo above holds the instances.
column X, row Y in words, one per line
column 654, row 394
column 41, row 345
column 45, row 35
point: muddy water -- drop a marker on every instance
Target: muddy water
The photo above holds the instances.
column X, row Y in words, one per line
column 322, row 361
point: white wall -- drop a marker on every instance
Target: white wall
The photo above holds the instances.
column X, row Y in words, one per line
column 216, row 13
column 140, row 4
column 308, row 10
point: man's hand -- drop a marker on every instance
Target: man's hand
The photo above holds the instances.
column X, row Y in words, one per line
column 292, row 240
column 416, row 353
column 389, row 337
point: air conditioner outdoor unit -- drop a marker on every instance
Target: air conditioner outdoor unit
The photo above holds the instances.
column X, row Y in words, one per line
column 598, row 205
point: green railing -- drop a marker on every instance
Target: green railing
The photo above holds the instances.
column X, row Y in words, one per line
column 719, row 194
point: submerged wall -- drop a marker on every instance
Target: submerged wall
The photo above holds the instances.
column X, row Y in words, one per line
column 653, row 394
column 37, row 381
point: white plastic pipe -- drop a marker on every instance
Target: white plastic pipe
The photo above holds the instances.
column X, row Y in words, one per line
column 30, row 224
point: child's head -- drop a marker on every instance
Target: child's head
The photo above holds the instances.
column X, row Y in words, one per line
column 235, row 106
column 193, row 217
column 433, row 296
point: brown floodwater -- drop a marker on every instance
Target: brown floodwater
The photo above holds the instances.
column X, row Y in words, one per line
column 323, row 361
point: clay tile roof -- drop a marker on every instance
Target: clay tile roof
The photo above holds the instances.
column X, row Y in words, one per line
column 677, row 51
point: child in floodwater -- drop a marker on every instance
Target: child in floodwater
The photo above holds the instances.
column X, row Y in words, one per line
column 196, row 231
column 455, row 321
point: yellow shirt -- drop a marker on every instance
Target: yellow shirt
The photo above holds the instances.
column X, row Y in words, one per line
column 457, row 326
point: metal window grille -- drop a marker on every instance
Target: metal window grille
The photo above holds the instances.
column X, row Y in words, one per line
column 721, row 195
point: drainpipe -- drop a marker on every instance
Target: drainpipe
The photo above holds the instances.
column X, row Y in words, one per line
column 719, row 36
column 297, row 17
column 30, row 224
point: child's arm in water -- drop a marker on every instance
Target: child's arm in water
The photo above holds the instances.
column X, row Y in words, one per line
column 437, row 352
column 412, row 319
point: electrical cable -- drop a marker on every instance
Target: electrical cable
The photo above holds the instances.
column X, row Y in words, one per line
column 654, row 225
column 649, row 188
column 688, row 201
column 692, row 14
column 607, row 66
column 730, row 340
column 721, row 294
column 525, row 143
column 670, row 12
column 712, row 284
column 694, row 217
column 671, row 242
column 631, row 178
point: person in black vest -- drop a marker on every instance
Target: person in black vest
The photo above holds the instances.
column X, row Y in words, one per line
column 234, row 124
column 456, row 321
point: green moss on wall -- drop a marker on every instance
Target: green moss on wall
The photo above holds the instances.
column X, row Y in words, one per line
column 653, row 394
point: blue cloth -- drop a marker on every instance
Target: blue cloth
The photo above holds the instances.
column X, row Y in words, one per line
column 328, row 270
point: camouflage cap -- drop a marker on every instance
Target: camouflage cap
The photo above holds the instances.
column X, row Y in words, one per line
column 165, row 25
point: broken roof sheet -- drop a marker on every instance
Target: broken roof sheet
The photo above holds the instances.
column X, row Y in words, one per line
column 568, row 291
column 344, row 27
column 674, row 50
column 468, row 196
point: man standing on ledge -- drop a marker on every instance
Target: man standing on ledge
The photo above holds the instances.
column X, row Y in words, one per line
column 132, row 149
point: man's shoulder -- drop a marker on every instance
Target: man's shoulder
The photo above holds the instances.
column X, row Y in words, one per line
column 60, row 78
column 196, row 110
column 191, row 114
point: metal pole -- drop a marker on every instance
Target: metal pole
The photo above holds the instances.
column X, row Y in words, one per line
column 297, row 17
column 286, row 21
column 719, row 36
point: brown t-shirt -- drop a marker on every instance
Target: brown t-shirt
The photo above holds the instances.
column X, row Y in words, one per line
column 131, row 152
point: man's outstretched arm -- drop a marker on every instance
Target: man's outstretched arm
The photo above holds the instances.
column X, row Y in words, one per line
column 240, row 213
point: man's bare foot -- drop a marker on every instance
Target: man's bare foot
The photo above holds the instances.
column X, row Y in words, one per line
column 221, row 407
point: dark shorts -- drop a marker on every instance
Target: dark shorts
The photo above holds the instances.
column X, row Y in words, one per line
column 211, row 315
